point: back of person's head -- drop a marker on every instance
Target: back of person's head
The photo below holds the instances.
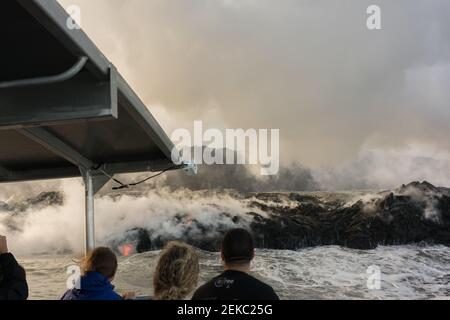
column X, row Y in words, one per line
column 101, row 260
column 237, row 247
column 177, row 272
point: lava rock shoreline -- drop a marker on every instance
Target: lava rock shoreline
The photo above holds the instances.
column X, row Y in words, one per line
column 413, row 213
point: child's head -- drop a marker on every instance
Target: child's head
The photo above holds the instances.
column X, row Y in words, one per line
column 177, row 272
column 103, row 261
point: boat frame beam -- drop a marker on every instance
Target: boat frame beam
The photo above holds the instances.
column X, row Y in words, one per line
column 93, row 180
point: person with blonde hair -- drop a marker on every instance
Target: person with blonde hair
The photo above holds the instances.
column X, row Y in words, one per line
column 177, row 272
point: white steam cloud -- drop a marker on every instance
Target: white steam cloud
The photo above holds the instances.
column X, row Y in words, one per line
column 61, row 228
column 385, row 168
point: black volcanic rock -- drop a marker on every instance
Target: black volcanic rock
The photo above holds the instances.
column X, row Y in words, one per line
column 42, row 200
column 417, row 212
column 16, row 211
column 144, row 241
column 46, row 199
column 414, row 213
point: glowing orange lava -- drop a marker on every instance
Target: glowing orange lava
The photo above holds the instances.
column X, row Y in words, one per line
column 126, row 249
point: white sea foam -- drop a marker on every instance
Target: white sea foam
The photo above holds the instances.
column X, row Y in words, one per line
column 330, row 272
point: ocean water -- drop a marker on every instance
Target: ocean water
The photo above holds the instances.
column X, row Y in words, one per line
column 329, row 272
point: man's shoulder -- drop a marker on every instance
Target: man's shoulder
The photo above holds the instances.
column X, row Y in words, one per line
column 210, row 284
column 227, row 279
column 9, row 264
column 263, row 288
column 7, row 258
column 206, row 290
column 255, row 280
column 240, row 281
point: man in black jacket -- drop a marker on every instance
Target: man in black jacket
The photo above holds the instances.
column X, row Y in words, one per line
column 13, row 283
column 236, row 283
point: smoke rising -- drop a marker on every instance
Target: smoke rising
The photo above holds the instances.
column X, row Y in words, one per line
column 414, row 212
column 308, row 68
column 59, row 228
column 243, row 178
column 380, row 168
column 170, row 203
column 50, row 229
column 372, row 169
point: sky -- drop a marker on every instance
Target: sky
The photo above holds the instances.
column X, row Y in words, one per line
column 347, row 100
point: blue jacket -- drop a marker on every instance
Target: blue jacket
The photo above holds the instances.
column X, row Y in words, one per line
column 94, row 286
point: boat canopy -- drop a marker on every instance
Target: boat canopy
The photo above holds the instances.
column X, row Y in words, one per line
column 65, row 109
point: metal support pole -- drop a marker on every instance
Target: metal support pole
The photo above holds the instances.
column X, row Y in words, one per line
column 89, row 213
column 92, row 184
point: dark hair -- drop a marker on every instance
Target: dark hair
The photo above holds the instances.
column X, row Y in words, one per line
column 103, row 261
column 237, row 246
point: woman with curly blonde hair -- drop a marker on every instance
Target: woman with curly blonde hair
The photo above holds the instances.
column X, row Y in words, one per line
column 176, row 274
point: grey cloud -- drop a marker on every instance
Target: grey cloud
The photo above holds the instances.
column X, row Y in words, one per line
column 309, row 68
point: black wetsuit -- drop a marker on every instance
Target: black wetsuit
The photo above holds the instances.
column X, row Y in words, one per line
column 13, row 283
column 235, row 285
